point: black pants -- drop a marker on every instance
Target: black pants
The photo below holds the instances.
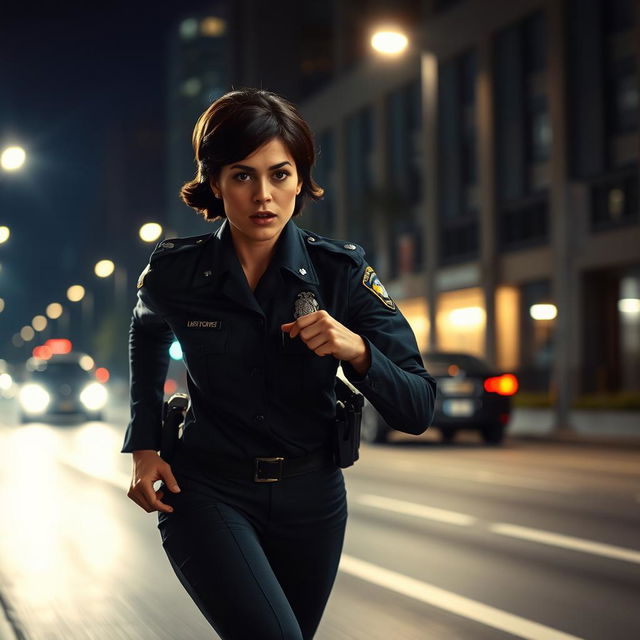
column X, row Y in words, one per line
column 259, row 560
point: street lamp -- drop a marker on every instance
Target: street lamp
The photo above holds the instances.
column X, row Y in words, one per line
column 389, row 42
column 12, row 158
column 150, row 231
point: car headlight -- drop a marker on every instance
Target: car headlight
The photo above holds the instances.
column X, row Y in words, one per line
column 34, row 398
column 94, row 396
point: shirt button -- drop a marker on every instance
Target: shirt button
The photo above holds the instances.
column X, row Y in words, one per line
column 259, row 418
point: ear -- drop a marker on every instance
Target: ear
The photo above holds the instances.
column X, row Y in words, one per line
column 299, row 188
column 214, row 187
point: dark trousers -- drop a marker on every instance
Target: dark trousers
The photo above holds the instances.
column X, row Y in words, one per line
column 259, row 560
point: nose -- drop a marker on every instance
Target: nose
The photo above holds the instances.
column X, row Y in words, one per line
column 263, row 193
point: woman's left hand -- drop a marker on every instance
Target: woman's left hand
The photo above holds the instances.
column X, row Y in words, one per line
column 324, row 335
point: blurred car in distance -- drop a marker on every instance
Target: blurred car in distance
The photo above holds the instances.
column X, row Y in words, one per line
column 60, row 386
column 471, row 396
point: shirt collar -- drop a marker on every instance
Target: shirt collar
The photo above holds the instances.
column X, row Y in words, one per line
column 291, row 252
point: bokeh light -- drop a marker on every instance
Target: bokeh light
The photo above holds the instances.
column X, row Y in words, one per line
column 389, row 42
column 54, row 310
column 27, row 333
column 104, row 268
column 86, row 362
column 39, row 323
column 75, row 293
column 150, row 231
column 5, row 233
column 12, row 158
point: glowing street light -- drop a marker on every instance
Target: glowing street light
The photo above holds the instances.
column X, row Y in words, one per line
column 104, row 268
column 12, row 158
column 54, row 310
column 27, row 333
column 150, row 231
column 389, row 42
column 39, row 323
column 5, row 232
column 75, row 293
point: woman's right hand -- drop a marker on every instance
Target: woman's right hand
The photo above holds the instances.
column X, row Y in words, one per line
column 148, row 467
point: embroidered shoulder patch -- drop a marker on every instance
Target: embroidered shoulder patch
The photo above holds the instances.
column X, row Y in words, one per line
column 371, row 281
column 142, row 275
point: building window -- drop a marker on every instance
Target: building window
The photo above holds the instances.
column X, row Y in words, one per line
column 401, row 200
column 359, row 178
column 323, row 211
column 523, row 133
column 458, row 202
column 604, row 97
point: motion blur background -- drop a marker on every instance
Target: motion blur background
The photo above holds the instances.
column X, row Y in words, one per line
column 486, row 157
column 490, row 169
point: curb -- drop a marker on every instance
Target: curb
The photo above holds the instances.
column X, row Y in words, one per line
column 580, row 439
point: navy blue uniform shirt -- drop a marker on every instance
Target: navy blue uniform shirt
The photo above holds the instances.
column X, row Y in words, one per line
column 254, row 390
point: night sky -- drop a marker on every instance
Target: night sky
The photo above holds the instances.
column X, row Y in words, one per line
column 69, row 73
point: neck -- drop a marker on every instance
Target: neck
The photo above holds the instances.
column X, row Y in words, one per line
column 253, row 255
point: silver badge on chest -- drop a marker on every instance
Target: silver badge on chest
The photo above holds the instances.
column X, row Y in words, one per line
column 305, row 304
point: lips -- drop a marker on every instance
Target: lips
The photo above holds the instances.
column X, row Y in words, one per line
column 264, row 214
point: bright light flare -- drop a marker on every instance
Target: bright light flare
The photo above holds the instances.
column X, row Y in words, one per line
column 34, row 398
column 94, row 396
column 13, row 158
column 389, row 42
column 104, row 268
column 150, row 232
column 5, row 234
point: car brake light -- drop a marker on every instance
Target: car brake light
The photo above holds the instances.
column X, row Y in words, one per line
column 504, row 385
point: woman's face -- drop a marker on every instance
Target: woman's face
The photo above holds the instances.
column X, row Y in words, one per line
column 265, row 181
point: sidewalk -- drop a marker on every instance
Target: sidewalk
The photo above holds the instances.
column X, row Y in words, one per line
column 607, row 428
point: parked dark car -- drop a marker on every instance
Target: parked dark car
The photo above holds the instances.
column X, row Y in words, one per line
column 61, row 387
column 471, row 396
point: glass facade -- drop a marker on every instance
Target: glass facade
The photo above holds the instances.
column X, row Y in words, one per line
column 458, row 203
column 404, row 193
column 523, row 141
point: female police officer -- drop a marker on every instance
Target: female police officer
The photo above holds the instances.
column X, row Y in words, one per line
column 252, row 509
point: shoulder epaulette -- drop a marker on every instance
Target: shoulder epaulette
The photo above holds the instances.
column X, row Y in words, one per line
column 343, row 247
column 172, row 246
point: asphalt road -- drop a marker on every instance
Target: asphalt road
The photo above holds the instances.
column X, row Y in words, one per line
column 531, row 540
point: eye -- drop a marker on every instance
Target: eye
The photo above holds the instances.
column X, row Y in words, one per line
column 284, row 173
column 238, row 178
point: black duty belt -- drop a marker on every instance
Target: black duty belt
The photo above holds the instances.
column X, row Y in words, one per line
column 263, row 469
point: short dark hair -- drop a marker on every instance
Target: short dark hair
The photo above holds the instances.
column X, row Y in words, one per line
column 232, row 128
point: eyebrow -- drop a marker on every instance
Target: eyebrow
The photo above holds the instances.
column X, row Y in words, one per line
column 248, row 168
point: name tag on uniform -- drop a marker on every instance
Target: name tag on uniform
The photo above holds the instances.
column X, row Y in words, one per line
column 204, row 324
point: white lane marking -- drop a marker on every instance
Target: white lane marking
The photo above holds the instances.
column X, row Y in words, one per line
column 459, row 605
column 567, row 542
column 418, row 510
column 488, row 477
column 501, row 528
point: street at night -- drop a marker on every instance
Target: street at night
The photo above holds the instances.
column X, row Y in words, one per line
column 533, row 539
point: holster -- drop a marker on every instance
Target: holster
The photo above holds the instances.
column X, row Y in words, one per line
column 346, row 448
column 173, row 412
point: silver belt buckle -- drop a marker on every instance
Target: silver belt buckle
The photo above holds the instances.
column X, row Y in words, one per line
column 256, row 476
